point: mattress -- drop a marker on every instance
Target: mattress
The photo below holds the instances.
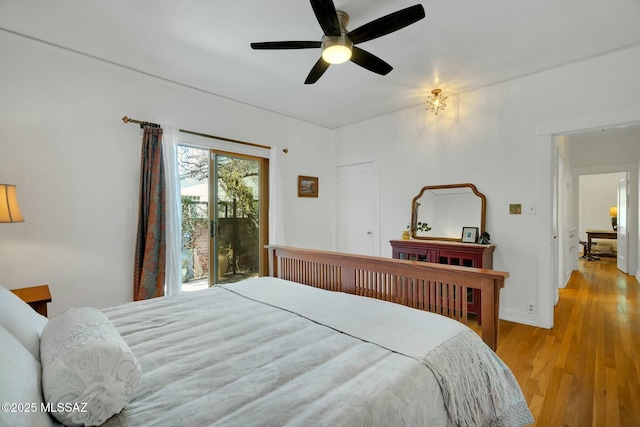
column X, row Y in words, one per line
column 275, row 353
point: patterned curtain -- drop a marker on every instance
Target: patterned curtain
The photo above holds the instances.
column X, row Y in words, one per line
column 149, row 264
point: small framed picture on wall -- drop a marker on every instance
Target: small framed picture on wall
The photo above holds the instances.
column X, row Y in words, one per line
column 307, row 186
column 469, row 234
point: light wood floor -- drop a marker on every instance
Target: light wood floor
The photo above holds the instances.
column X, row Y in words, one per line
column 586, row 370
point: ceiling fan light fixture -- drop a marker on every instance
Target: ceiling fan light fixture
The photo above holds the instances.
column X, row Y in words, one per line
column 435, row 102
column 336, row 50
column 339, row 45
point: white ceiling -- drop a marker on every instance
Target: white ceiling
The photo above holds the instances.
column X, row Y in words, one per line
column 460, row 46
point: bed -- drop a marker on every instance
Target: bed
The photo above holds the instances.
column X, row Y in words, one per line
column 273, row 351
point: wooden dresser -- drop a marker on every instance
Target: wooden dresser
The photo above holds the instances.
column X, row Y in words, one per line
column 452, row 253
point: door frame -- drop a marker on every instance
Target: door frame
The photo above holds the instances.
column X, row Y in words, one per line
column 624, row 231
column 547, row 175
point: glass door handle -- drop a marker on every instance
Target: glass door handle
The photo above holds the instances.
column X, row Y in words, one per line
column 213, row 230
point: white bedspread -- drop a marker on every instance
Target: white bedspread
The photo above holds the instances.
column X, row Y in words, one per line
column 274, row 353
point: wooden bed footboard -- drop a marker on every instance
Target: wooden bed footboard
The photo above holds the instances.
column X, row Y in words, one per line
column 425, row 286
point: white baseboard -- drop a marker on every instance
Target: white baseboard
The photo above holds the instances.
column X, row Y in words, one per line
column 520, row 317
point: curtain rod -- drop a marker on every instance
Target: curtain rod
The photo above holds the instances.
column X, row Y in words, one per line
column 141, row 123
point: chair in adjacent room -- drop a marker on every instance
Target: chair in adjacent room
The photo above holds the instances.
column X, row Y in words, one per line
column 586, row 252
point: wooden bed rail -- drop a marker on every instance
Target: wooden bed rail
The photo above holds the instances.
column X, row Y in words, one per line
column 425, row 286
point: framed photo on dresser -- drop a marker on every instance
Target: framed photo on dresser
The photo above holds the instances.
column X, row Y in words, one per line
column 469, row 234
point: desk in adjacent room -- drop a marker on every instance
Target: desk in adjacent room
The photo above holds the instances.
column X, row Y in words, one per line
column 599, row 234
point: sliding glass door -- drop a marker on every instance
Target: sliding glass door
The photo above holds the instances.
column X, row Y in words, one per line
column 224, row 216
column 193, row 167
column 236, row 219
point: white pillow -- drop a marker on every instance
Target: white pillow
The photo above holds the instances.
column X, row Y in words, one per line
column 87, row 366
column 21, row 321
column 20, row 385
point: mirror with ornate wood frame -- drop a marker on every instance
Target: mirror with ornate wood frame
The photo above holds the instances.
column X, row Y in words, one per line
column 447, row 209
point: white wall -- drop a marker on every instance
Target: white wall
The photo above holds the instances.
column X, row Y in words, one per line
column 491, row 137
column 76, row 164
column 76, row 167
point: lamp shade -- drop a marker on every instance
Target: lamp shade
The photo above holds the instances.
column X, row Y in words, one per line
column 613, row 211
column 9, row 210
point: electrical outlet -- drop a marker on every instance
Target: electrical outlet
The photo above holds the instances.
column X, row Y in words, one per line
column 531, row 308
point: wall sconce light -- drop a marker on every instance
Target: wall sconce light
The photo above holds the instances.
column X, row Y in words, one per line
column 9, row 210
column 436, row 103
column 613, row 213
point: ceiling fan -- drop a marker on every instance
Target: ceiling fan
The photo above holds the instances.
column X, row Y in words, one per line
column 338, row 44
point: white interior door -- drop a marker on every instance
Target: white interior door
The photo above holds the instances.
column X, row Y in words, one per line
column 623, row 225
column 555, row 207
column 357, row 209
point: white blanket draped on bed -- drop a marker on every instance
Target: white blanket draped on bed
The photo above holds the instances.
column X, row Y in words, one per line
column 266, row 352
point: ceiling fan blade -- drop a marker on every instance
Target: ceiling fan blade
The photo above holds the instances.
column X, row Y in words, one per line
column 317, row 71
column 387, row 24
column 370, row 61
column 286, row 45
column 327, row 17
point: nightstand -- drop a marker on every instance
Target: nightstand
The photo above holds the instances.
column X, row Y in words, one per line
column 36, row 296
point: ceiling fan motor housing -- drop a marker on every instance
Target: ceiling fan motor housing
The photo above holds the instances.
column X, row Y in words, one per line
column 337, row 49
